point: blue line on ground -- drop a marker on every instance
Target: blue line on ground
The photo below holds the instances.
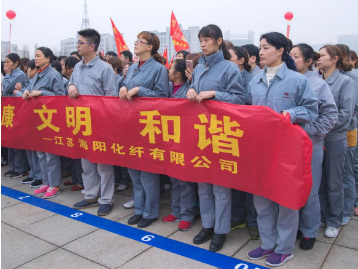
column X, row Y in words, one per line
column 164, row 243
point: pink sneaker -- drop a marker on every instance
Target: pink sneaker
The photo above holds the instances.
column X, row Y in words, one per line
column 42, row 189
column 52, row 192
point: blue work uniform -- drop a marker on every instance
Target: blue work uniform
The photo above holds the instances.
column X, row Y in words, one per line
column 152, row 80
column 287, row 91
column 255, row 71
column 310, row 214
column 50, row 83
column 214, row 73
column 331, row 189
column 95, row 78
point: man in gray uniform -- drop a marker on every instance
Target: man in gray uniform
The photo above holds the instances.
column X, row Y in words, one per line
column 92, row 76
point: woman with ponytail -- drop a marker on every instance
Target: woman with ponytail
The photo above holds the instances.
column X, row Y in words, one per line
column 289, row 93
column 47, row 82
column 240, row 57
column 348, row 170
column 310, row 214
column 147, row 78
column 331, row 192
column 215, row 78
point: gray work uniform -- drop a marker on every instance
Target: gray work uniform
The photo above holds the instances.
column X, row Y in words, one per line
column 255, row 71
column 288, row 91
column 331, row 194
column 118, row 82
column 50, row 83
column 96, row 78
column 310, row 214
column 183, row 192
column 214, row 73
column 348, row 171
column 152, row 80
column 16, row 157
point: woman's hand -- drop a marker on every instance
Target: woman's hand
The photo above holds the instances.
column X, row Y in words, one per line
column 191, row 95
column 7, row 69
column 26, row 95
column 188, row 74
column 18, row 86
column 35, row 93
column 205, row 95
column 73, row 91
column 123, row 93
column 132, row 92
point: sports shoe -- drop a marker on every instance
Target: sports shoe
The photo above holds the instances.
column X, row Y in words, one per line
column 185, row 225
column 307, row 243
column 17, row 175
column 77, row 188
column 86, row 203
column 237, row 225
column 52, row 192
column 217, row 242
column 104, row 209
column 122, row 187
column 42, row 189
column 276, row 259
column 27, row 180
column 254, row 233
column 259, row 253
column 129, row 204
column 8, row 173
column 36, row 183
column 331, row 232
column 204, row 235
column 345, row 220
column 170, row 219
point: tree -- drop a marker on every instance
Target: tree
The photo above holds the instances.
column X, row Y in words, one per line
column 26, row 50
column 56, row 51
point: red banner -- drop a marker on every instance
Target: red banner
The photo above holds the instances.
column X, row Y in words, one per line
column 178, row 38
column 250, row 148
column 165, row 55
column 120, row 43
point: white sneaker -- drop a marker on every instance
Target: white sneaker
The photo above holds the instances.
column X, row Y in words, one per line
column 323, row 224
column 167, row 187
column 122, row 187
column 345, row 220
column 83, row 191
column 331, row 232
column 129, row 204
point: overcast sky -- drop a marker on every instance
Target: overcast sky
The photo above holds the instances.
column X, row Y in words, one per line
column 46, row 22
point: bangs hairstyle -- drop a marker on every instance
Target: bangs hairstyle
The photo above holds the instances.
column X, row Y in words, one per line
column 92, row 37
column 342, row 63
column 214, row 32
column 116, row 64
column 153, row 40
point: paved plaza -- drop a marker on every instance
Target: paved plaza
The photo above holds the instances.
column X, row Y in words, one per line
column 34, row 237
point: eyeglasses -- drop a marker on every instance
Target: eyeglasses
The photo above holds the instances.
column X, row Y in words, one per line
column 79, row 43
column 141, row 41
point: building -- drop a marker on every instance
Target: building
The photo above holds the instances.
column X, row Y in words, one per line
column 5, row 49
column 68, row 45
column 240, row 39
column 349, row 40
column 191, row 36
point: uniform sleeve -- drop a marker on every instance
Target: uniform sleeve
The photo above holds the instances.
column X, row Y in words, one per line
column 328, row 113
column 306, row 110
column 346, row 103
column 193, row 75
column 248, row 98
column 9, row 82
column 73, row 77
column 235, row 92
column 57, row 87
column 161, row 86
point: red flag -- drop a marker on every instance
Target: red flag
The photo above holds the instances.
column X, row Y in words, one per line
column 120, row 43
column 171, row 62
column 165, row 55
column 178, row 38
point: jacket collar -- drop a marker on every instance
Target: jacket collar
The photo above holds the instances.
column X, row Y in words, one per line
column 45, row 71
column 91, row 63
column 333, row 77
column 212, row 59
column 146, row 64
column 280, row 74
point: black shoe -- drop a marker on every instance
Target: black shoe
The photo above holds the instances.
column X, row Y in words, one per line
column 27, row 180
column 299, row 234
column 36, row 183
column 307, row 243
column 204, row 235
column 143, row 223
column 104, row 210
column 217, row 242
column 134, row 219
column 8, row 173
column 86, row 204
column 17, row 175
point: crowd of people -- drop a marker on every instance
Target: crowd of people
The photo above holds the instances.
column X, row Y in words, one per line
column 317, row 90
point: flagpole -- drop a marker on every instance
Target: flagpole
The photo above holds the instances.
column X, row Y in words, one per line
column 10, row 40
